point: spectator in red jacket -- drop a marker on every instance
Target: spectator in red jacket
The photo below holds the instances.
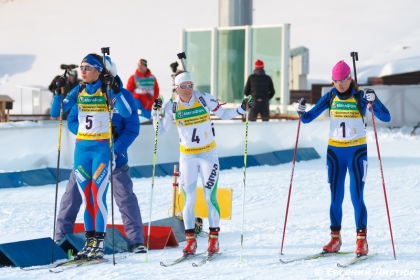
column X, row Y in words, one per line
column 144, row 87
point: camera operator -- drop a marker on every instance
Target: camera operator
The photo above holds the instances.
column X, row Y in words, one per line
column 72, row 81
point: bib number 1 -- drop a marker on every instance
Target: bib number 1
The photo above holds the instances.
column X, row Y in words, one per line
column 343, row 125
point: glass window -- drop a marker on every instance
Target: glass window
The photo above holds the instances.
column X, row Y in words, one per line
column 230, row 65
column 267, row 46
column 198, row 62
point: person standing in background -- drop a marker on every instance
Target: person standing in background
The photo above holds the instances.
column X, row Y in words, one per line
column 144, row 87
column 260, row 86
column 72, row 81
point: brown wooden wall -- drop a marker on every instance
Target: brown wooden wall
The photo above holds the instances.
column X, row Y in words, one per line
column 412, row 78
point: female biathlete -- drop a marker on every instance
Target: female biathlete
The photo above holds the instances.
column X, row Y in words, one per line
column 190, row 110
column 347, row 149
column 92, row 151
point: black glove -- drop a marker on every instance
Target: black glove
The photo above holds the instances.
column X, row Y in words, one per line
column 115, row 132
column 248, row 100
column 158, row 103
column 110, row 80
column 60, row 82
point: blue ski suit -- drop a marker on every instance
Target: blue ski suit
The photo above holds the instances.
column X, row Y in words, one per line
column 92, row 151
column 126, row 131
column 347, row 149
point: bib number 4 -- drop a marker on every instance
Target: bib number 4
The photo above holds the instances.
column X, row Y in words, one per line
column 195, row 137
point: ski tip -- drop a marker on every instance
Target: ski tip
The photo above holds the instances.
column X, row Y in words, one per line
column 162, row 264
column 194, row 265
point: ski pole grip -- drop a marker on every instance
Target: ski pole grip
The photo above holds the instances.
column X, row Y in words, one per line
column 182, row 57
column 302, row 101
column 355, row 57
column 105, row 51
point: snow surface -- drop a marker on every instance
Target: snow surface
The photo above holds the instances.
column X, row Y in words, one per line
column 27, row 213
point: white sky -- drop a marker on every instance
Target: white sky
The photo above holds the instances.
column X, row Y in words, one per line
column 65, row 31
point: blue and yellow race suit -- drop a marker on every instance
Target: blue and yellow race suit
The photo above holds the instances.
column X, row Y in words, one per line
column 347, row 149
column 92, row 151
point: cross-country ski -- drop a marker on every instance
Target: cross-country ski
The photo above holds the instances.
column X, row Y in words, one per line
column 356, row 260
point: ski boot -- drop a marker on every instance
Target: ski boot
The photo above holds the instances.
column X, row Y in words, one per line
column 191, row 246
column 82, row 254
column 213, row 241
column 98, row 247
column 361, row 243
column 335, row 243
column 137, row 248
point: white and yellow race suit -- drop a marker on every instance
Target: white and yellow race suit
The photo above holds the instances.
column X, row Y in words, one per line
column 197, row 149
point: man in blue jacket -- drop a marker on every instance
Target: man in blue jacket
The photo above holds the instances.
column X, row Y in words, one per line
column 125, row 131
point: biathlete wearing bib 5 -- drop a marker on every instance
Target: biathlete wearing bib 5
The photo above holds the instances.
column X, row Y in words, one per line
column 197, row 149
column 347, row 149
column 91, row 156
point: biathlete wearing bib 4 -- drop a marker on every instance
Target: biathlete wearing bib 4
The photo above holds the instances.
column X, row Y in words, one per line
column 91, row 156
column 347, row 149
column 197, row 149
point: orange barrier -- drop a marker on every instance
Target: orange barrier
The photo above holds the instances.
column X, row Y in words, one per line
column 160, row 236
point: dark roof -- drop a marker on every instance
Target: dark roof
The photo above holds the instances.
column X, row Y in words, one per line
column 6, row 98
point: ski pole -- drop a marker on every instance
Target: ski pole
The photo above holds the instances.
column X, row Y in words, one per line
column 301, row 102
column 382, row 176
column 57, row 172
column 105, row 51
column 244, row 180
column 356, row 58
column 153, row 182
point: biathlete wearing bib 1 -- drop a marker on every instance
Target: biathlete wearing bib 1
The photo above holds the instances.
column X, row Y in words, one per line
column 91, row 156
column 347, row 149
column 197, row 149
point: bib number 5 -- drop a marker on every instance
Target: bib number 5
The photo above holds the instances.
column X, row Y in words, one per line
column 89, row 122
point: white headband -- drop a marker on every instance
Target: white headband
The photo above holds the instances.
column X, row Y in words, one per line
column 183, row 77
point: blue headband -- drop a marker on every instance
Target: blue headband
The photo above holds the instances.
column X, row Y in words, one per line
column 94, row 62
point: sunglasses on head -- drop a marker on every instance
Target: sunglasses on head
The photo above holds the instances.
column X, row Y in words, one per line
column 341, row 81
column 186, row 86
column 86, row 68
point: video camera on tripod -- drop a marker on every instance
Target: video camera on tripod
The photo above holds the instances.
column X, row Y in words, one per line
column 68, row 66
column 174, row 66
